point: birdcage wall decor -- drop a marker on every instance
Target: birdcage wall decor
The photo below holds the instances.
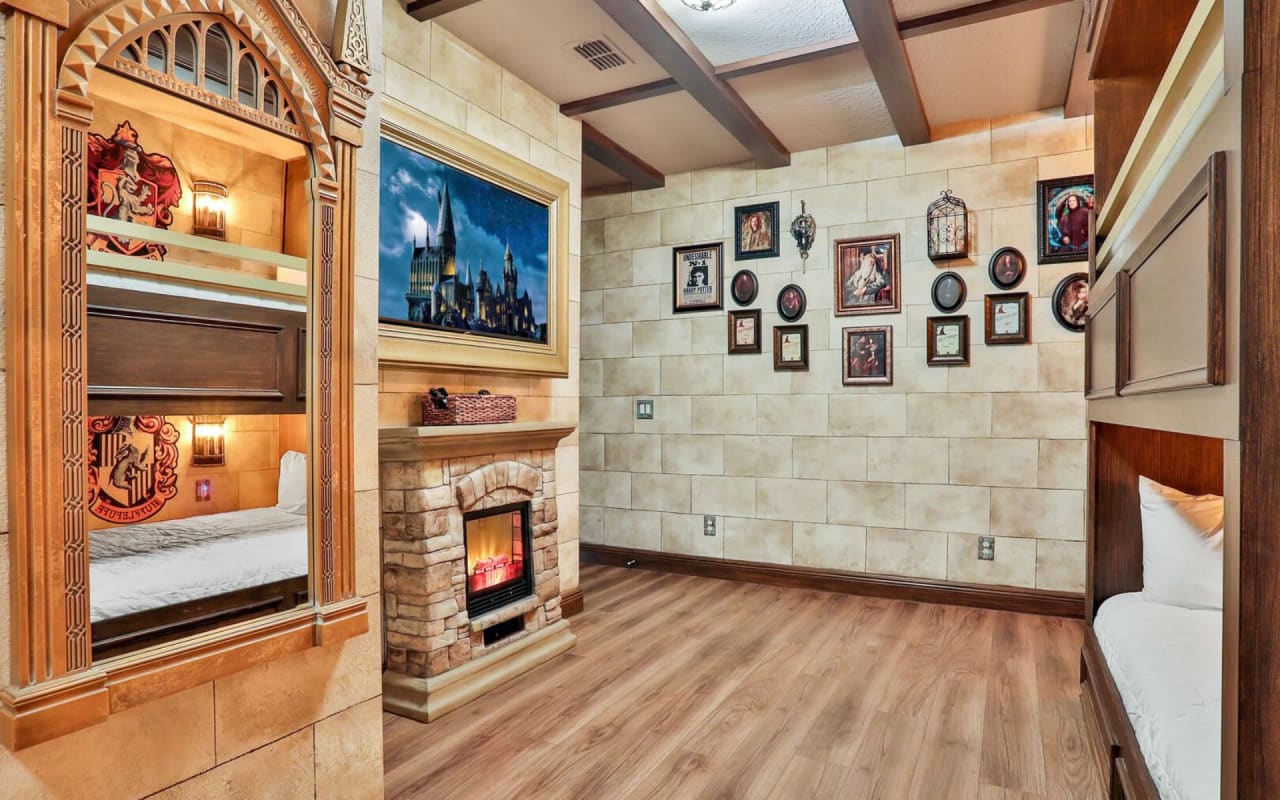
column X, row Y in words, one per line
column 803, row 228
column 948, row 228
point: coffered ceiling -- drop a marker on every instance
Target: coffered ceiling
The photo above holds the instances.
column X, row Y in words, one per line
column 763, row 78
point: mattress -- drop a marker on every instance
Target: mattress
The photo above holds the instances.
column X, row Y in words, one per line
column 156, row 564
column 1167, row 663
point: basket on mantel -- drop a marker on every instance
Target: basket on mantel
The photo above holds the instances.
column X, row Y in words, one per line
column 470, row 409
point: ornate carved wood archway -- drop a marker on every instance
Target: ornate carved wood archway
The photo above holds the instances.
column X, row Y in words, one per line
column 52, row 51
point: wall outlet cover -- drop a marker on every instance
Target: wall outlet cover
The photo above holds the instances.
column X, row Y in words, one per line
column 708, row 526
column 644, row 409
column 986, row 548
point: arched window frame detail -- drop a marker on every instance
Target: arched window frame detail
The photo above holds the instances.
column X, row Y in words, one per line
column 53, row 689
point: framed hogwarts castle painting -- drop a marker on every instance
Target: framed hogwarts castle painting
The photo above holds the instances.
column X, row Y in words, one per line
column 472, row 253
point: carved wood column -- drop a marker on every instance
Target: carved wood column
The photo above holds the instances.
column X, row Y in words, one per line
column 344, row 352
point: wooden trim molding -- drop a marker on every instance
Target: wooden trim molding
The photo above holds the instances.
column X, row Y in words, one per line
column 572, row 603
column 54, row 686
column 893, row 587
column 887, row 56
column 1208, row 186
column 605, row 151
column 454, row 441
column 1130, row 779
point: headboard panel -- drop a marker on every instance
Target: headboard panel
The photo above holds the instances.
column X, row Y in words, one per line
column 1118, row 455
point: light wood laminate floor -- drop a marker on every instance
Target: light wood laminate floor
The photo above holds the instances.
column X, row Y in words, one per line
column 685, row 687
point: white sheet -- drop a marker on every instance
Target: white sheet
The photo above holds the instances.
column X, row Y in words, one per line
column 262, row 545
column 1167, row 663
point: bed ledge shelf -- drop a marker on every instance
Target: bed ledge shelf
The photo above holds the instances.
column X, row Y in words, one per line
column 448, row 441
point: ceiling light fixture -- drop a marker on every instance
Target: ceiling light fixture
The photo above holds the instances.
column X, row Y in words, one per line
column 708, row 5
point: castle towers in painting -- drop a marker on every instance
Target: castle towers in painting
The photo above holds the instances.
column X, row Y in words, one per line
column 439, row 296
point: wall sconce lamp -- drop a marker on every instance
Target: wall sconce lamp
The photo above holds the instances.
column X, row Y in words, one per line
column 208, row 441
column 209, row 209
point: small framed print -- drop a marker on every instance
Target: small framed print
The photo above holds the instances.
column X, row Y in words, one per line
column 696, row 277
column 867, row 275
column 948, row 342
column 791, row 303
column 1064, row 207
column 868, row 356
column 744, row 331
column 949, row 292
column 744, row 287
column 757, row 231
column 790, row 347
column 1008, row 318
column 1007, row 268
column 1071, row 302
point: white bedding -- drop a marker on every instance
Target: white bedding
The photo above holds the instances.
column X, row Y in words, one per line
column 218, row 553
column 1167, row 664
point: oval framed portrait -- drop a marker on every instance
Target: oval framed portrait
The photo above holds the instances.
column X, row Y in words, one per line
column 791, row 302
column 1071, row 302
column 744, row 287
column 1007, row 268
column 949, row 292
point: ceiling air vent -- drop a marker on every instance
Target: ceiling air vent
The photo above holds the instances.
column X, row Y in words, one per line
column 600, row 53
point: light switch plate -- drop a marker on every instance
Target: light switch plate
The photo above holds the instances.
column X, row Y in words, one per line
column 986, row 548
column 644, row 409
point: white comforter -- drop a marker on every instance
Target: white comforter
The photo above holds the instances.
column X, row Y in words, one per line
column 214, row 554
column 1167, row 663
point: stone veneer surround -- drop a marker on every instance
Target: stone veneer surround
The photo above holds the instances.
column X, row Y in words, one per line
column 429, row 630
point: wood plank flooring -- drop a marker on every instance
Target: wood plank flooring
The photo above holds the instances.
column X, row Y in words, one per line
column 684, row 687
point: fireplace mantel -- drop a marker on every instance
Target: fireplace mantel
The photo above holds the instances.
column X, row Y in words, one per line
column 453, row 441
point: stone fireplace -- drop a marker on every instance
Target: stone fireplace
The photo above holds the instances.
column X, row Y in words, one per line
column 470, row 582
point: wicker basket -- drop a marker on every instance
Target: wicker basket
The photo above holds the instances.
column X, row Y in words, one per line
column 470, row 409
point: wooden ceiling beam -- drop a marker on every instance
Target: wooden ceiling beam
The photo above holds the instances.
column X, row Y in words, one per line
column 423, row 10
column 659, row 36
column 1079, row 98
column 970, row 15
column 887, row 56
column 607, row 152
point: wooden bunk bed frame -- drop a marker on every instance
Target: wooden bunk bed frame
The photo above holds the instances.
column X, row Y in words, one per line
column 218, row 358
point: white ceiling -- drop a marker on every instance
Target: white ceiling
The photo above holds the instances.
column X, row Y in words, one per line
column 672, row 133
column 753, row 28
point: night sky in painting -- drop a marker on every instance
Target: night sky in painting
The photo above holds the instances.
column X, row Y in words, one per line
column 486, row 219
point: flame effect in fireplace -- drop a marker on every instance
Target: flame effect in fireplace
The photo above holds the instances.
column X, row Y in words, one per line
column 493, row 550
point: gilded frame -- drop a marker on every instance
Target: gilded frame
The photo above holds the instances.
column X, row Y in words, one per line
column 53, row 51
column 404, row 345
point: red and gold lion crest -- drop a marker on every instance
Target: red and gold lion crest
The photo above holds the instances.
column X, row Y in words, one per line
column 127, row 183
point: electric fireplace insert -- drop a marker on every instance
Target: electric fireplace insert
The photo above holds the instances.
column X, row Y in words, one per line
column 499, row 548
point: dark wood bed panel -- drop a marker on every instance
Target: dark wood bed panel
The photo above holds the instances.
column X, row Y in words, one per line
column 131, row 632
column 157, row 354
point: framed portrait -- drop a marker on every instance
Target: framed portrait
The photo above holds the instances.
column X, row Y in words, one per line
column 1008, row 318
column 473, row 253
column 791, row 302
column 744, row 331
column 1071, row 302
column 1063, row 208
column 868, row 275
column 790, row 347
column 756, row 231
column 948, row 344
column 696, row 277
column 868, row 356
column 948, row 292
column 1007, row 268
column 744, row 287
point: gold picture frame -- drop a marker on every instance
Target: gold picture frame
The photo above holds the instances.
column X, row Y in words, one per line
column 455, row 350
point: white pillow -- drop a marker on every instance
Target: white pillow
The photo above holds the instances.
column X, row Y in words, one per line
column 292, row 493
column 1181, row 546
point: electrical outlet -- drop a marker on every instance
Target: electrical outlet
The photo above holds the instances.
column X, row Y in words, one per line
column 986, row 548
column 708, row 525
column 644, row 409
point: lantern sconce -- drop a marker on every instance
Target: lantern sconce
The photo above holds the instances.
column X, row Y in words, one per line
column 209, row 209
column 208, row 441
column 948, row 228
column 803, row 228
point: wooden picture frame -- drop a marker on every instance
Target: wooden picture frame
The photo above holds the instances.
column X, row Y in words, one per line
column 697, row 278
column 403, row 343
column 868, row 275
column 744, row 331
column 786, row 357
column 939, row 352
column 755, row 231
column 867, row 356
column 1056, row 208
column 998, row 313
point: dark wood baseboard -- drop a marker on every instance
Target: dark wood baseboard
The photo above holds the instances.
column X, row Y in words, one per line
column 572, row 603
column 894, row 587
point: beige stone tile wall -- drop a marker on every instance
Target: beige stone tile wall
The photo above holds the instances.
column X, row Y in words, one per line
column 430, row 69
column 797, row 468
